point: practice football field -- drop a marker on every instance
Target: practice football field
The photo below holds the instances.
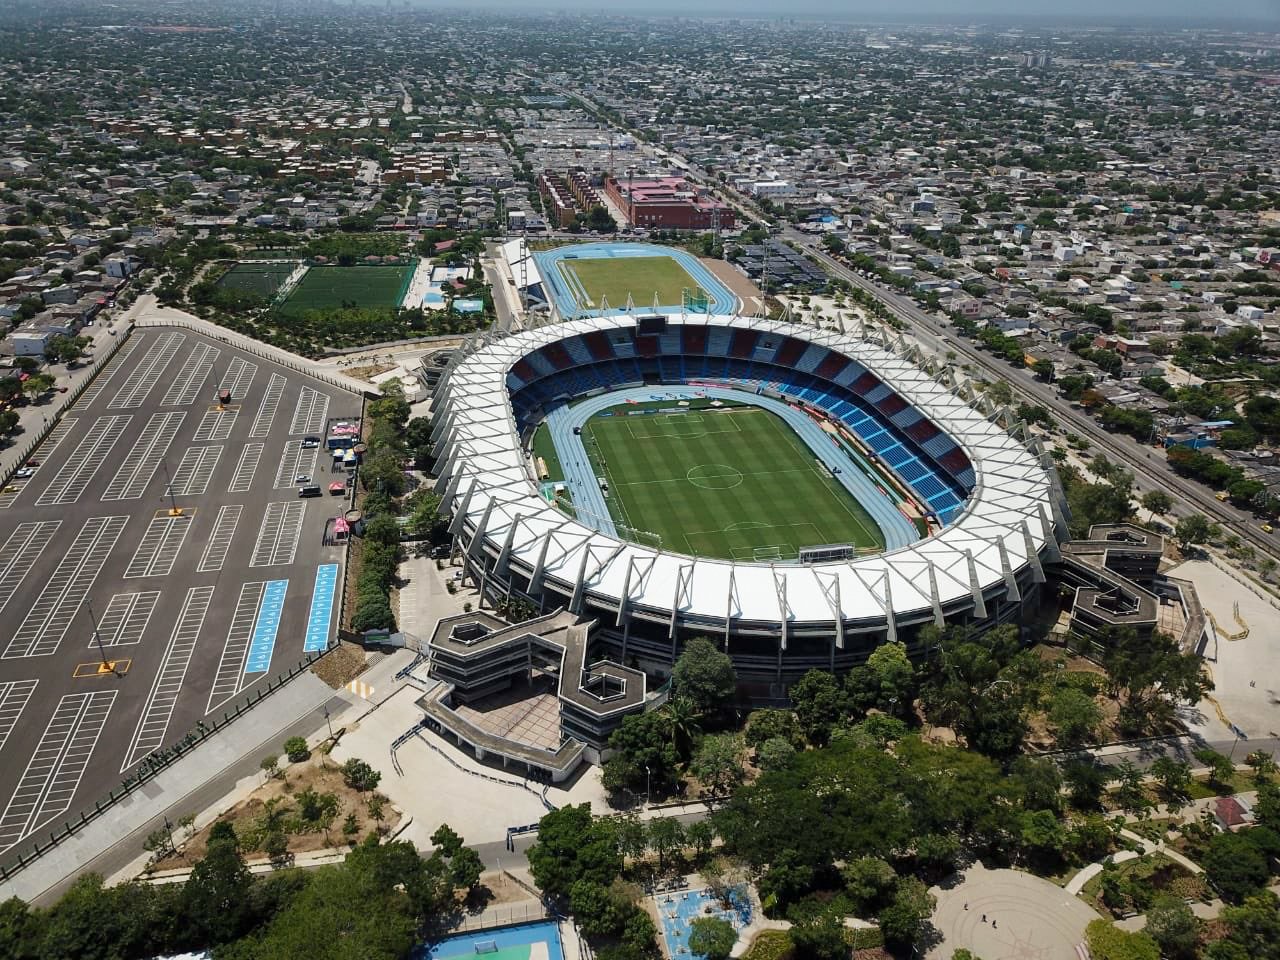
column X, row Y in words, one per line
column 324, row 288
column 615, row 277
column 736, row 484
column 264, row 279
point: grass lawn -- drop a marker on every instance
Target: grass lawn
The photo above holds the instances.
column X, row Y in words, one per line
column 263, row 279
column 735, row 484
column 325, row 288
column 642, row 277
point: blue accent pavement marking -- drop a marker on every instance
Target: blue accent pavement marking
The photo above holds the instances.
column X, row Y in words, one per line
column 321, row 608
column 263, row 641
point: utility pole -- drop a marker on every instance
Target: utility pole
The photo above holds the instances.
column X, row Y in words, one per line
column 174, row 509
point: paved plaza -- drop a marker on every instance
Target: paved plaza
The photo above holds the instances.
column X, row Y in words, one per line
column 1026, row 918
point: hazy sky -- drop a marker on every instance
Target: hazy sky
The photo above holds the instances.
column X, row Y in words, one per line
column 954, row 10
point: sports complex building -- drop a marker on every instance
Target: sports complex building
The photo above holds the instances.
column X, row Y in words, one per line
column 957, row 518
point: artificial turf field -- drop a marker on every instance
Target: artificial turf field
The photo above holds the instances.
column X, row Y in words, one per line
column 263, row 279
column 324, row 288
column 735, row 484
column 641, row 277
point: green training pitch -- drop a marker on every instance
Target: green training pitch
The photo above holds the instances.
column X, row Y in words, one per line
column 735, row 484
column 326, row 288
column 641, row 277
column 263, row 279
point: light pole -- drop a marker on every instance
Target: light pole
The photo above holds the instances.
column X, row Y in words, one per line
column 647, row 799
column 107, row 666
column 174, row 509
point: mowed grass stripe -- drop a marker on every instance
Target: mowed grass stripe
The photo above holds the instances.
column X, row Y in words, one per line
column 724, row 492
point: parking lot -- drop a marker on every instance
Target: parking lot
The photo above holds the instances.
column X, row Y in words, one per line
column 167, row 533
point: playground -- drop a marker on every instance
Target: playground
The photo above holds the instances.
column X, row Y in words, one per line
column 679, row 910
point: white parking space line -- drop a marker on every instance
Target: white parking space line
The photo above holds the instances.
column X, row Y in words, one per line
column 216, row 424
column 74, row 475
column 54, row 771
column 295, row 461
column 61, row 430
column 140, row 464
column 246, row 468
column 158, row 551
column 186, row 385
column 154, row 722
column 14, row 695
column 100, row 382
column 224, row 529
column 270, row 404
column 147, row 373
column 20, row 552
column 126, row 618
column 226, row 682
column 310, row 412
column 194, row 472
column 52, row 613
column 278, row 534
column 238, row 378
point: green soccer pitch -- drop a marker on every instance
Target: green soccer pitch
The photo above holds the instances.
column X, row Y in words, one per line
column 734, row 485
column 324, row 288
column 615, row 277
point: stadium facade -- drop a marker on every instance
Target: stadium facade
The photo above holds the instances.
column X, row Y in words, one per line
column 997, row 515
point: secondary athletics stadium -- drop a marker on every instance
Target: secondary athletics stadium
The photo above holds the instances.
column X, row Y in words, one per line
column 799, row 494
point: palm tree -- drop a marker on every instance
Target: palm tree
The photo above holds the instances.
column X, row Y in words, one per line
column 682, row 721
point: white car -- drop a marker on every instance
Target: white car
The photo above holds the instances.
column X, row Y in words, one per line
column 24, row 472
column 302, row 478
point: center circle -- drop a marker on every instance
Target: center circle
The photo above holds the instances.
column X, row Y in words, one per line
column 714, row 476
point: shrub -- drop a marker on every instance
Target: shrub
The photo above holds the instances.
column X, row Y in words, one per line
column 358, row 775
column 295, row 748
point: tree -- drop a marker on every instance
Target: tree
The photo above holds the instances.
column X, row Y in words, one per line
column 359, row 775
column 1157, row 502
column 666, row 836
column 886, row 682
column 644, row 759
column 1262, row 764
column 8, row 422
column 1195, row 530
column 1221, row 769
column 770, row 723
column 1074, row 716
column 1235, row 867
column 820, row 935
column 1109, row 942
column 774, row 754
column 465, row 868
column 818, row 704
column 1253, row 930
column 1043, row 837
column 1130, row 794
column 215, row 898
column 296, row 749
column 572, row 846
column 1174, row 778
column 705, row 675
column 904, row 920
column 1150, row 676
column 37, row 384
column 1173, row 926
column 718, row 763
column 66, row 350
column 270, row 765
column 683, row 722
column 712, row 938
column 1086, row 782
column 870, row 883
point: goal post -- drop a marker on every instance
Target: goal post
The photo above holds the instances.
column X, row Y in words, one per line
column 695, row 300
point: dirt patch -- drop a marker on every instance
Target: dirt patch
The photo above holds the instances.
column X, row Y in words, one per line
column 341, row 665
column 279, row 798
column 368, row 372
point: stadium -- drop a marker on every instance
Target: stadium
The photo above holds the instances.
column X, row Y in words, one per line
column 798, row 494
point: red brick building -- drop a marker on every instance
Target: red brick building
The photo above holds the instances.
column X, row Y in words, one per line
column 668, row 203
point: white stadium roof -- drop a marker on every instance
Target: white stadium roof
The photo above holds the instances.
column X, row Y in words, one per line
column 1007, row 524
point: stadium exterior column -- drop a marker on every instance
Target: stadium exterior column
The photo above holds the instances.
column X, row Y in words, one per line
column 975, row 588
column 503, row 567
column 575, row 599
column 1051, row 551
column 535, row 579
column 891, row 625
column 1012, row 593
column 460, row 514
column 938, row 619
column 1033, row 558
